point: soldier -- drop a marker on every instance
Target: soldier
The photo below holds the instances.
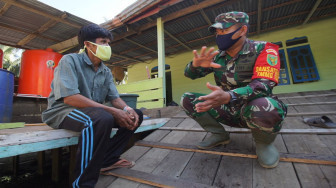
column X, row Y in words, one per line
column 245, row 73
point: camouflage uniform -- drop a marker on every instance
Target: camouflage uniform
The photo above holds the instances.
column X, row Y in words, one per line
column 249, row 78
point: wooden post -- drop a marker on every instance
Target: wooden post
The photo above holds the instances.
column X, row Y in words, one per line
column 16, row 162
column 161, row 56
column 72, row 163
column 40, row 162
column 56, row 164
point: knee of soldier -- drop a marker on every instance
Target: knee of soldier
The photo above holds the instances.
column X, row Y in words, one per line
column 263, row 113
column 187, row 101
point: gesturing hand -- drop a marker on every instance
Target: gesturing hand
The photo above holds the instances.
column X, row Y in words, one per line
column 205, row 59
column 216, row 98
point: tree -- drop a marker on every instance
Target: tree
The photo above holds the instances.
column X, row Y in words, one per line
column 11, row 59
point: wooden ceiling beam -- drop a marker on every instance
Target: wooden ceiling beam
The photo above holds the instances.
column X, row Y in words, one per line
column 126, row 57
column 4, row 8
column 142, row 46
column 23, row 31
column 177, row 40
column 317, row 3
column 25, row 7
column 206, row 18
column 42, row 29
column 268, row 29
column 178, row 14
column 265, row 22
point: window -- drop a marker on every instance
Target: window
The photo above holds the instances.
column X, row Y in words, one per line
column 302, row 64
column 283, row 76
column 301, row 61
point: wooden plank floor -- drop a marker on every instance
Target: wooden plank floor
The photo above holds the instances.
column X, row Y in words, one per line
column 209, row 170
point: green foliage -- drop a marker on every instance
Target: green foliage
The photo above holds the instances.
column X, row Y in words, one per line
column 11, row 59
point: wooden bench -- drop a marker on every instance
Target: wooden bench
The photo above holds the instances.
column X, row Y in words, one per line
column 39, row 137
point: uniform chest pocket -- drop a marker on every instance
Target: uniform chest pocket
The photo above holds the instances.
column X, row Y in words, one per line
column 244, row 68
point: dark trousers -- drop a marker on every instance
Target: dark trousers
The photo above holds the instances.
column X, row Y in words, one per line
column 95, row 147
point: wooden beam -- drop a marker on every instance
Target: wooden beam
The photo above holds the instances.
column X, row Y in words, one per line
column 64, row 45
column 308, row 96
column 152, row 179
column 177, row 40
column 313, row 103
column 25, row 7
column 142, row 46
column 10, row 27
column 4, row 9
column 290, row 114
column 311, row 114
column 259, row 16
column 244, row 130
column 180, row 13
column 41, row 162
column 42, row 29
column 56, row 164
column 251, row 13
column 206, row 18
column 125, row 57
column 287, row 157
column 317, row 3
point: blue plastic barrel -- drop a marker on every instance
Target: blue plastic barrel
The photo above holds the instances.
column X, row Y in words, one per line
column 6, row 95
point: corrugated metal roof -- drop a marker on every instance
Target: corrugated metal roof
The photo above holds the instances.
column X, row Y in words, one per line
column 135, row 27
column 21, row 18
column 275, row 14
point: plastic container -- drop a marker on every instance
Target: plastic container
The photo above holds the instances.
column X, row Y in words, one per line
column 130, row 99
column 6, row 95
column 37, row 71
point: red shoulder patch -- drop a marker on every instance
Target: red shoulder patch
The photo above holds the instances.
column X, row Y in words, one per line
column 268, row 63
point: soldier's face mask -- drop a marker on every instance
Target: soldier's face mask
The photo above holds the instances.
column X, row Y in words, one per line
column 224, row 42
column 103, row 52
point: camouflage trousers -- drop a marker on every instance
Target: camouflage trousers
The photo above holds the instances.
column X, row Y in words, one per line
column 265, row 113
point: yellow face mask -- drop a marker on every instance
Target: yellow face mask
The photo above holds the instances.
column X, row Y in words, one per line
column 103, row 52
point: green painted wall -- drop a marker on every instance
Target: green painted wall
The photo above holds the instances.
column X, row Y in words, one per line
column 322, row 41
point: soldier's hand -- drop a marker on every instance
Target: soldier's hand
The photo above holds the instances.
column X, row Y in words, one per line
column 215, row 99
column 205, row 59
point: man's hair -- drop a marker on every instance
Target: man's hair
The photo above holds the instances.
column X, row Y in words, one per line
column 91, row 32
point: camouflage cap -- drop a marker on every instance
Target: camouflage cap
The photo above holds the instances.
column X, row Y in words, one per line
column 229, row 19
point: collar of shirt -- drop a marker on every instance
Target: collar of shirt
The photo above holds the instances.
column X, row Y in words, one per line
column 87, row 60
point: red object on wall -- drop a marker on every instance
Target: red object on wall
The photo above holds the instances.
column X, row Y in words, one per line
column 1, row 58
column 37, row 71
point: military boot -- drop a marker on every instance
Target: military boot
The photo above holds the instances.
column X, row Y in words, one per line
column 218, row 134
column 268, row 155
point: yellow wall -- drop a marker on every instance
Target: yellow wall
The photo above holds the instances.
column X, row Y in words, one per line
column 322, row 40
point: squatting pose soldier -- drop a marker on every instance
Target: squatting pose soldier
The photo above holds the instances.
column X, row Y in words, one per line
column 245, row 72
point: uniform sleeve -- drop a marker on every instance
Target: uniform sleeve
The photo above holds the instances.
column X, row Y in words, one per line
column 265, row 76
column 112, row 90
column 196, row 72
column 65, row 79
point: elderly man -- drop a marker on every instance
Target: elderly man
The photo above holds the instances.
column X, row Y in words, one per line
column 245, row 72
column 81, row 84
